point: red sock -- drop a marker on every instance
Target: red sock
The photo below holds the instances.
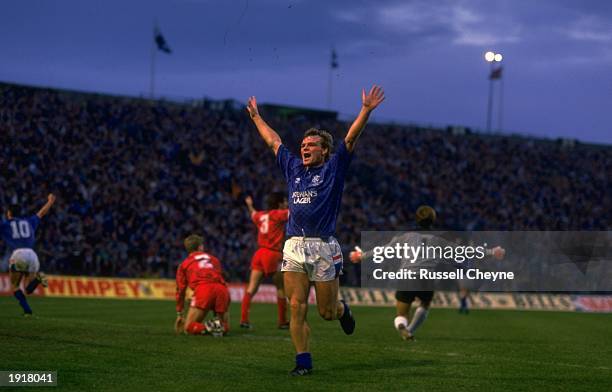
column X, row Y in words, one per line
column 246, row 307
column 195, row 328
column 282, row 310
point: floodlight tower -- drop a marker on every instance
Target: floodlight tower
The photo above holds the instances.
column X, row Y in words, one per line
column 492, row 58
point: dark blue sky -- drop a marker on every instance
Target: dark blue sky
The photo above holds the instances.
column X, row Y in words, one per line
column 428, row 55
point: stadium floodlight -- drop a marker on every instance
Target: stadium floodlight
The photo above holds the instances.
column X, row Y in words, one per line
column 494, row 74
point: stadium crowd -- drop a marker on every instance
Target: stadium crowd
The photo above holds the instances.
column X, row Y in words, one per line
column 134, row 177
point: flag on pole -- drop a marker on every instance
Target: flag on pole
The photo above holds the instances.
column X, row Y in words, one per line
column 496, row 73
column 334, row 59
column 161, row 41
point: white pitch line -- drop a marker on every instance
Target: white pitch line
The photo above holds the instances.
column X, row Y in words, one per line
column 539, row 363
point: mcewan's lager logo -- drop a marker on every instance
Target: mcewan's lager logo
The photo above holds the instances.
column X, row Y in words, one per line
column 303, row 197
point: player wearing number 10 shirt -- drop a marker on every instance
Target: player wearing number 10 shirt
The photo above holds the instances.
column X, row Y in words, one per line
column 268, row 257
column 19, row 233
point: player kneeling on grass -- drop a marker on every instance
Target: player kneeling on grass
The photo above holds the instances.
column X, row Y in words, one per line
column 268, row 257
column 19, row 233
column 202, row 273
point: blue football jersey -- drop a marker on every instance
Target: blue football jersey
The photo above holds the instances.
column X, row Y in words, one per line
column 20, row 232
column 315, row 193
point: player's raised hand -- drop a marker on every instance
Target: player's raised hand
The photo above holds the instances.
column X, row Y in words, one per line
column 45, row 209
column 252, row 107
column 355, row 257
column 372, row 99
column 498, row 252
column 249, row 201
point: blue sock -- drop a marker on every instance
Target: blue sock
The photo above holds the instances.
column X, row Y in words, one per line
column 32, row 286
column 22, row 301
column 304, row 360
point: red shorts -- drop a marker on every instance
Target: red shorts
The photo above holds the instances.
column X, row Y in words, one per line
column 266, row 260
column 211, row 296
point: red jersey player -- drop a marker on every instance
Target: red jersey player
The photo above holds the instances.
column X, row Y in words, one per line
column 201, row 272
column 266, row 260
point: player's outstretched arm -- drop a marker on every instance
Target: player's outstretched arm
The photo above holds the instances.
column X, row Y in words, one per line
column 45, row 209
column 249, row 203
column 498, row 252
column 180, row 303
column 369, row 102
column 268, row 134
column 181, row 289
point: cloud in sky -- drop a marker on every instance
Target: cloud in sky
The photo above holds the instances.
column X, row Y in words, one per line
column 591, row 28
column 459, row 21
column 429, row 53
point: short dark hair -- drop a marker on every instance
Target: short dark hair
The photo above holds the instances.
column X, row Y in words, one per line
column 274, row 200
column 425, row 217
column 193, row 242
column 327, row 140
column 14, row 209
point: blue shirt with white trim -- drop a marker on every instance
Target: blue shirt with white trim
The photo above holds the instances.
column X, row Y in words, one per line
column 314, row 193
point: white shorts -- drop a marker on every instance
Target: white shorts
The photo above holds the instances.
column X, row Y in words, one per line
column 25, row 260
column 320, row 259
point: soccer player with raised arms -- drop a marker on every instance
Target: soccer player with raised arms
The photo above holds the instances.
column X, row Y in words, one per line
column 311, row 253
column 19, row 233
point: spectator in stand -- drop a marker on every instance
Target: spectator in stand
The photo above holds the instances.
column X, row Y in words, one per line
column 136, row 177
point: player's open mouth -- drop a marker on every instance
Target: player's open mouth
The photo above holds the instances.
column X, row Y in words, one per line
column 306, row 155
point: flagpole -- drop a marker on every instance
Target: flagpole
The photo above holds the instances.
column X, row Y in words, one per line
column 329, row 88
column 153, row 55
column 333, row 64
column 500, row 112
column 490, row 101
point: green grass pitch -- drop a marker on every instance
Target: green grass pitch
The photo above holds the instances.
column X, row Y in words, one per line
column 124, row 345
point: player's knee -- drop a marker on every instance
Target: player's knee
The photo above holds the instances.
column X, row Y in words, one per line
column 327, row 313
column 252, row 289
column 298, row 307
column 329, row 316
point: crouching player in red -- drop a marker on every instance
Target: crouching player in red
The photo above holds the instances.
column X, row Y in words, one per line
column 201, row 272
column 268, row 257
